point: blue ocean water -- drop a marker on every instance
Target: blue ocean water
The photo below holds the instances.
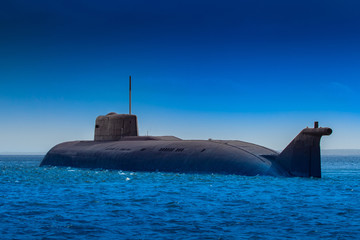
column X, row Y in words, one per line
column 67, row 203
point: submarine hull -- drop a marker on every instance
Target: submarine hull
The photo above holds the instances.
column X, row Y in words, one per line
column 167, row 154
column 301, row 158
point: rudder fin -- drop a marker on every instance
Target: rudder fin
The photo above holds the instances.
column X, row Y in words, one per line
column 301, row 157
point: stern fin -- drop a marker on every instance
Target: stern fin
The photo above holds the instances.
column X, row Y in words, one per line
column 301, row 157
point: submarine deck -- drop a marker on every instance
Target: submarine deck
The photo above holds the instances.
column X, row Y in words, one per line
column 165, row 153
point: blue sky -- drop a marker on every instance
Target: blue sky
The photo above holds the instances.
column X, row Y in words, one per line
column 251, row 70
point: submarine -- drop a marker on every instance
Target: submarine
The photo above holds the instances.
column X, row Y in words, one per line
column 118, row 146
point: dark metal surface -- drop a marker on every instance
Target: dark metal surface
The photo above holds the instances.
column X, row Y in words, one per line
column 117, row 145
column 170, row 154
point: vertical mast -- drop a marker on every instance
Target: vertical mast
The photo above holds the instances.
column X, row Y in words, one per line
column 130, row 95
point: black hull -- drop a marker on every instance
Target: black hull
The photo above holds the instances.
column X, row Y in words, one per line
column 300, row 158
column 226, row 157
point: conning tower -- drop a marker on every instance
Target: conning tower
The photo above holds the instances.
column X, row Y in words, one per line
column 113, row 126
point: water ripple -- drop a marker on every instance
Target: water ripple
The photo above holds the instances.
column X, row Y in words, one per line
column 67, row 203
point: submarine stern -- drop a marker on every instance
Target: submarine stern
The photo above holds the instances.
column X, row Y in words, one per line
column 302, row 157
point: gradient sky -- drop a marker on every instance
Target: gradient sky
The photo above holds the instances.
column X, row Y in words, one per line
column 253, row 70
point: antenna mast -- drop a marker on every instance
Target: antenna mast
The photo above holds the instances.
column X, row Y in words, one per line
column 130, row 94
